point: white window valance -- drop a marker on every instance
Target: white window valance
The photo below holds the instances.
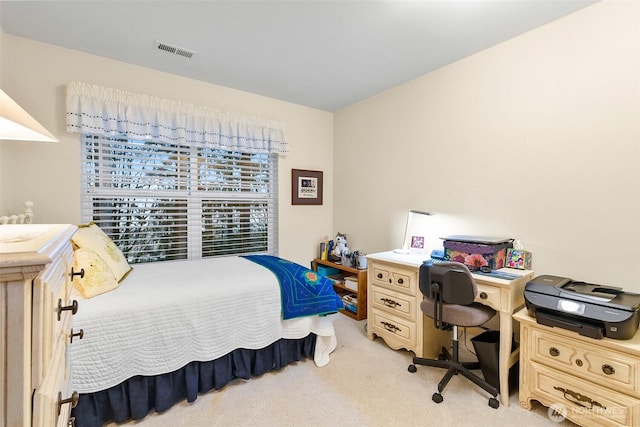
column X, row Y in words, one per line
column 111, row 112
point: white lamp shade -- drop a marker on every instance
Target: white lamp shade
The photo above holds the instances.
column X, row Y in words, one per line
column 17, row 125
column 415, row 227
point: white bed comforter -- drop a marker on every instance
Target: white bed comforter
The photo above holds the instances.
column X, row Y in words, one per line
column 165, row 315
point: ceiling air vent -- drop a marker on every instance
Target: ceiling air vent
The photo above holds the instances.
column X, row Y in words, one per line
column 166, row 47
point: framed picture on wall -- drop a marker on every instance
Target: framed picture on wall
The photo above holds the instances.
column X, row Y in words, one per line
column 306, row 187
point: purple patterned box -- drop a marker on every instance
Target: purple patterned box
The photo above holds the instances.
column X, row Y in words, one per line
column 477, row 254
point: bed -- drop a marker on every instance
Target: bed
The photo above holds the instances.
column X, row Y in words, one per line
column 173, row 330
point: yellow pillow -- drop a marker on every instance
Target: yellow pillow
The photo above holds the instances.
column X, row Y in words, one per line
column 90, row 236
column 97, row 278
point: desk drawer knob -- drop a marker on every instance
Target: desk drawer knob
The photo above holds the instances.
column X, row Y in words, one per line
column 390, row 303
column 554, row 352
column 73, row 307
column 579, row 398
column 390, row 327
column 400, row 281
column 483, row 295
column 76, row 334
column 73, row 273
column 379, row 276
column 608, row 369
column 73, row 400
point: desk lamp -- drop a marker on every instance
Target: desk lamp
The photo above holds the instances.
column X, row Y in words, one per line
column 17, row 125
column 407, row 238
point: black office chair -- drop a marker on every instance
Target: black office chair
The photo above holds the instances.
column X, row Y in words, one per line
column 449, row 290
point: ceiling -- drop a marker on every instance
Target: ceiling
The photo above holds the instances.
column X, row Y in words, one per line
column 322, row 54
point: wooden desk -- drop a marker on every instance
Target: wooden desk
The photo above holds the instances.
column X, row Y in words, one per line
column 397, row 275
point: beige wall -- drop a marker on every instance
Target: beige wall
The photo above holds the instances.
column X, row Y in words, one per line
column 537, row 138
column 48, row 174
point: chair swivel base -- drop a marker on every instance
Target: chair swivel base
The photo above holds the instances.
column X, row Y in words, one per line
column 454, row 367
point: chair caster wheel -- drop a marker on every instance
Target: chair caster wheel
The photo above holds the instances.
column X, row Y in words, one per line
column 437, row 397
column 412, row 368
column 494, row 403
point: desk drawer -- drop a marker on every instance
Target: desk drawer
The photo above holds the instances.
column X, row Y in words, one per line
column 590, row 362
column 51, row 290
column 397, row 332
column 488, row 295
column 393, row 302
column 585, row 403
column 47, row 411
column 399, row 279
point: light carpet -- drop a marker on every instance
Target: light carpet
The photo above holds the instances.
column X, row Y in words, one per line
column 365, row 384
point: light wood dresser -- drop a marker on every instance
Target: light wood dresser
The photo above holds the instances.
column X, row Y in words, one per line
column 35, row 325
column 589, row 381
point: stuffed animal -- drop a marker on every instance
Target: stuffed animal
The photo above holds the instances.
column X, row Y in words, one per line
column 340, row 245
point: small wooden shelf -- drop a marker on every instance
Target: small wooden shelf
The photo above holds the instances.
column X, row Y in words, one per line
column 361, row 292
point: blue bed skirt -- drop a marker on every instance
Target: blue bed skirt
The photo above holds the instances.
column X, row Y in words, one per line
column 134, row 398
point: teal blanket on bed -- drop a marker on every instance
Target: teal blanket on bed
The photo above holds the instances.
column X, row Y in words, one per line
column 303, row 291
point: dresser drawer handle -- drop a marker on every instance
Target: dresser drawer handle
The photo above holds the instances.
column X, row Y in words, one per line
column 390, row 303
column 73, row 400
column 400, row 281
column 554, row 352
column 74, row 274
column 483, row 295
column 73, row 307
column 76, row 334
column 390, row 327
column 379, row 276
column 579, row 399
column 608, row 369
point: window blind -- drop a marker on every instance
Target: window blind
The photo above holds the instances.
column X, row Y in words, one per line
column 164, row 201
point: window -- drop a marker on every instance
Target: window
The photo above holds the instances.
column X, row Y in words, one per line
column 163, row 201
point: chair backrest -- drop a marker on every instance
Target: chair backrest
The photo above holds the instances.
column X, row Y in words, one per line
column 454, row 280
column 446, row 283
